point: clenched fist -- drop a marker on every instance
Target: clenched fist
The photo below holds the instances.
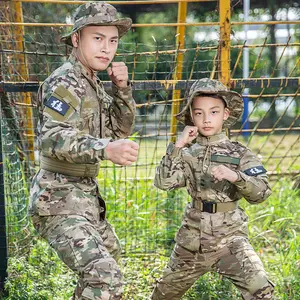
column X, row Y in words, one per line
column 118, row 74
column 221, row 172
column 188, row 134
column 122, row 152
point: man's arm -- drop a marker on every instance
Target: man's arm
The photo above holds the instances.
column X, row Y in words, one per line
column 121, row 114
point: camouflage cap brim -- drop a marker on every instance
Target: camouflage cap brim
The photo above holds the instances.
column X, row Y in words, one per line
column 233, row 100
column 123, row 26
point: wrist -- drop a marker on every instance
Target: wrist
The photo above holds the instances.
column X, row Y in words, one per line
column 179, row 144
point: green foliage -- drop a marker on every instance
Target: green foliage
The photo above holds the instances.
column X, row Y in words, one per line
column 39, row 276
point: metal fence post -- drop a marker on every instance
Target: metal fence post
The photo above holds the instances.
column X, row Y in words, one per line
column 182, row 11
column 225, row 29
column 3, row 237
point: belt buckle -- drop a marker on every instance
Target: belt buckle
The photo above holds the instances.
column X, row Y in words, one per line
column 210, row 207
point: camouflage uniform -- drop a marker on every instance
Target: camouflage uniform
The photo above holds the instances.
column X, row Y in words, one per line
column 214, row 234
column 77, row 119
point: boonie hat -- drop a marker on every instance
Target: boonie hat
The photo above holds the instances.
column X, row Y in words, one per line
column 97, row 13
column 233, row 100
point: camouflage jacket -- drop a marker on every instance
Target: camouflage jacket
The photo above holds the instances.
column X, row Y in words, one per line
column 191, row 168
column 77, row 119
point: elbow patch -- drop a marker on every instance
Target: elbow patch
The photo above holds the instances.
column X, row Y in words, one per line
column 255, row 171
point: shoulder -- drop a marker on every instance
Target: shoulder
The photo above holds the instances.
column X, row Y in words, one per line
column 237, row 147
column 68, row 77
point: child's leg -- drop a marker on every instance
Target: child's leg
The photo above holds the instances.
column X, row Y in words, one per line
column 243, row 266
column 183, row 269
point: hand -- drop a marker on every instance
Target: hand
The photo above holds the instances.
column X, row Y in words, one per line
column 122, row 152
column 188, row 134
column 221, row 172
column 118, row 74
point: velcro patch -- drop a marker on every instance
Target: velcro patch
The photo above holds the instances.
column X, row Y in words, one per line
column 57, row 105
column 255, row 171
column 225, row 159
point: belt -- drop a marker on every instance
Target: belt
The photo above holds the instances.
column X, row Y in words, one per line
column 71, row 169
column 214, row 207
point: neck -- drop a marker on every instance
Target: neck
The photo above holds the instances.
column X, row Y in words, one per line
column 90, row 71
column 207, row 140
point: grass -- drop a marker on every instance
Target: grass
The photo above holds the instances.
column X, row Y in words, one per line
column 146, row 220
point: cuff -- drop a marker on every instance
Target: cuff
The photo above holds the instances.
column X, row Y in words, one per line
column 100, row 146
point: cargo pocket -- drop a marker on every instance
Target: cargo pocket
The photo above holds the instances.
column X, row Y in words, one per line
column 188, row 238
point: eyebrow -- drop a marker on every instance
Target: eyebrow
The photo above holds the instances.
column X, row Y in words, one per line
column 103, row 35
column 196, row 108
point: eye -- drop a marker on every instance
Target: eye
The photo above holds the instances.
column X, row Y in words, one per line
column 215, row 112
column 114, row 41
column 98, row 38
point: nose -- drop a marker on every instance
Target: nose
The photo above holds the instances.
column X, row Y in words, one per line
column 105, row 46
column 206, row 120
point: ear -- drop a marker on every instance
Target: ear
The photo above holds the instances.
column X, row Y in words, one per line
column 226, row 114
column 75, row 39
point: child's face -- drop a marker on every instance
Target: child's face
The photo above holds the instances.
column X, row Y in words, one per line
column 208, row 115
column 96, row 46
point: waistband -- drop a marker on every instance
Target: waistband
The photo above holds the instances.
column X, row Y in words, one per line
column 71, row 169
column 214, row 207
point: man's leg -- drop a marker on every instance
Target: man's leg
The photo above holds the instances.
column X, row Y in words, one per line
column 183, row 269
column 80, row 246
column 241, row 264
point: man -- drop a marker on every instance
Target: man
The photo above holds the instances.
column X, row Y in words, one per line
column 79, row 126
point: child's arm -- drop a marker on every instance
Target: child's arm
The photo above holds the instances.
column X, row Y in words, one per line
column 252, row 179
column 169, row 174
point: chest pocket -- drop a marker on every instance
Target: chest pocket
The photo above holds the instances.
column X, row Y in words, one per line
column 90, row 120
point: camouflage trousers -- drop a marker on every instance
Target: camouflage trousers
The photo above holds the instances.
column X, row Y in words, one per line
column 237, row 261
column 91, row 250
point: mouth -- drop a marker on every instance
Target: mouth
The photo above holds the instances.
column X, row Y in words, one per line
column 207, row 128
column 102, row 58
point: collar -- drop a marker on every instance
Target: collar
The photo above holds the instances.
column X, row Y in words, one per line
column 82, row 69
column 210, row 140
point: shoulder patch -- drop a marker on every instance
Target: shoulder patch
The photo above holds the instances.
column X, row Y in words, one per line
column 255, row 171
column 57, row 105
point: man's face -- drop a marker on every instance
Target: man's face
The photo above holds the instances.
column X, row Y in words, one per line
column 96, row 46
column 209, row 114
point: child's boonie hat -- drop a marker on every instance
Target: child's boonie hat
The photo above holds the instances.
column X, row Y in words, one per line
column 97, row 13
column 233, row 100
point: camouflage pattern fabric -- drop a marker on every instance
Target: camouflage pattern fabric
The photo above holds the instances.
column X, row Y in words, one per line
column 90, row 249
column 233, row 100
column 97, row 13
column 77, row 119
column 218, row 241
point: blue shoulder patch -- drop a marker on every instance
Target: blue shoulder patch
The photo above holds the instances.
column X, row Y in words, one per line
column 57, row 105
column 255, row 171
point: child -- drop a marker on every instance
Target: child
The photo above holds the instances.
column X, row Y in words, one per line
column 217, row 173
column 79, row 126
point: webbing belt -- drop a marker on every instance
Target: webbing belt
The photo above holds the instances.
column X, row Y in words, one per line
column 214, row 207
column 66, row 168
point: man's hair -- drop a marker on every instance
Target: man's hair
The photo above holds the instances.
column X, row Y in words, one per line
column 212, row 96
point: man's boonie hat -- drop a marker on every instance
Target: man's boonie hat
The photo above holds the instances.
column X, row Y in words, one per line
column 233, row 100
column 97, row 13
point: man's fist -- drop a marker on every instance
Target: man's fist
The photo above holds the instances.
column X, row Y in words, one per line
column 122, row 152
column 118, row 74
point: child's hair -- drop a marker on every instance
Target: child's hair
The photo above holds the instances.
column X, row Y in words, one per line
column 212, row 96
